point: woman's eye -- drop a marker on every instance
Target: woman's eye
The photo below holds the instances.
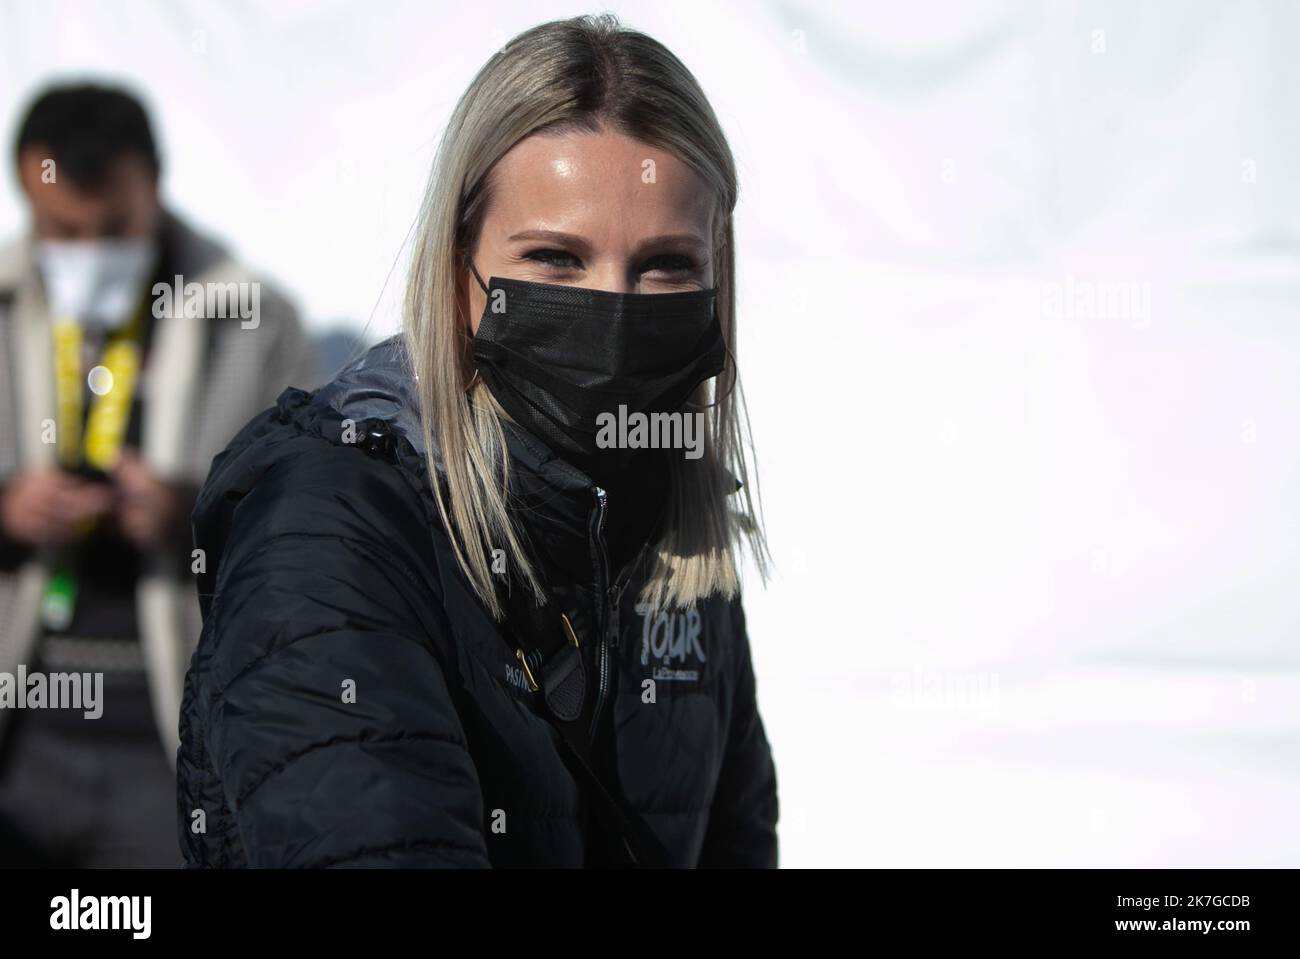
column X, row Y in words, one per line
column 556, row 259
column 669, row 263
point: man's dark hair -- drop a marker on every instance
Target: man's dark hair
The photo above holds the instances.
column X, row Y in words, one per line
column 87, row 129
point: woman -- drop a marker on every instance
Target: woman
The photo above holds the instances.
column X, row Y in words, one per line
column 460, row 609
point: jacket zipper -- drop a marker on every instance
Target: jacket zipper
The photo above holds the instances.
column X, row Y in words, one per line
column 611, row 604
column 602, row 579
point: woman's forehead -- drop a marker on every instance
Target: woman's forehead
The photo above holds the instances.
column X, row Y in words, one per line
column 599, row 185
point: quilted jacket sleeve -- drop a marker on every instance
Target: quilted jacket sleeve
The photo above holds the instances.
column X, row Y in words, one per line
column 743, row 817
column 328, row 718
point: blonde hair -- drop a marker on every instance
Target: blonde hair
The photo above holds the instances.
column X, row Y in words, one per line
column 582, row 74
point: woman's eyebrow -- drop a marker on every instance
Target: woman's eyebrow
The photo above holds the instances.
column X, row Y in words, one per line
column 694, row 241
column 570, row 240
column 689, row 241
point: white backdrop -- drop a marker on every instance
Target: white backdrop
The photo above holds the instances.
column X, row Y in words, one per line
column 1037, row 591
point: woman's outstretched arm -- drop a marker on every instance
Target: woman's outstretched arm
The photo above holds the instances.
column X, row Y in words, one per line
column 329, row 722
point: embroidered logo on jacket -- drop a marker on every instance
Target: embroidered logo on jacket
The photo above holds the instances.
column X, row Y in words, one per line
column 670, row 640
column 515, row 677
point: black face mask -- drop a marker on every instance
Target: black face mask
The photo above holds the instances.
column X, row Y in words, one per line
column 556, row 357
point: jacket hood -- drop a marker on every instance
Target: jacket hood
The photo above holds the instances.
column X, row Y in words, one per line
column 380, row 386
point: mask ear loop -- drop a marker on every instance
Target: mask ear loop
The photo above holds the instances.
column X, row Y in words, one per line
column 473, row 381
column 475, row 272
column 476, row 378
column 731, row 388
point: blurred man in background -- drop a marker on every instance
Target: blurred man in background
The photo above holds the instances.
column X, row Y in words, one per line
column 114, row 397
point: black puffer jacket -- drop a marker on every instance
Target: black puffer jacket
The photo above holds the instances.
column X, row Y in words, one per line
column 327, row 570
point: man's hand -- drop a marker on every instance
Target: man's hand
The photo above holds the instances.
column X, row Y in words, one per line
column 49, row 506
column 148, row 508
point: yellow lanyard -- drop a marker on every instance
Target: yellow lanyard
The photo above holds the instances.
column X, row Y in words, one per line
column 105, row 432
column 114, row 389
